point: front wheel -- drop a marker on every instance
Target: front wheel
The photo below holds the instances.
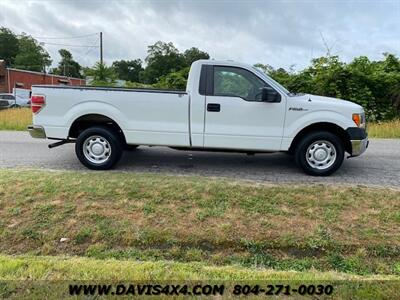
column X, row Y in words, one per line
column 319, row 153
column 98, row 148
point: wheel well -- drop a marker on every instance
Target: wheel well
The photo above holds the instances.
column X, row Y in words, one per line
column 330, row 127
column 90, row 120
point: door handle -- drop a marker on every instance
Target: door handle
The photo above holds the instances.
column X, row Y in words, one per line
column 213, row 107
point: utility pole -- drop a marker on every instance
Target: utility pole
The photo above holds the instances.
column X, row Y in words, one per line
column 101, row 47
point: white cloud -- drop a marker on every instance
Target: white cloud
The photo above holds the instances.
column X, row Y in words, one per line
column 280, row 33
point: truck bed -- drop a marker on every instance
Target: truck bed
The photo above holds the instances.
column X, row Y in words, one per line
column 110, row 88
column 146, row 116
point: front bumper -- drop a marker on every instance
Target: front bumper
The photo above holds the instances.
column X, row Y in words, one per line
column 37, row 131
column 358, row 147
column 358, row 140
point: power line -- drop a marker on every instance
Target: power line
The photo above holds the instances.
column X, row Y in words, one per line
column 65, row 38
column 90, row 49
column 66, row 45
column 29, row 66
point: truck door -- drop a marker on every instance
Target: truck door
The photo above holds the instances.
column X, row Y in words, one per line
column 235, row 116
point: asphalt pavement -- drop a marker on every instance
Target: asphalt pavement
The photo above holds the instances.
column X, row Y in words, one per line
column 379, row 166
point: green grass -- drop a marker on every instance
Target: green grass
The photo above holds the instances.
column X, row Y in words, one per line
column 15, row 118
column 187, row 219
column 50, row 276
column 80, row 268
column 138, row 227
column 388, row 129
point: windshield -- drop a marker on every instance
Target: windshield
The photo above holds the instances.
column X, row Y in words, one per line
column 263, row 75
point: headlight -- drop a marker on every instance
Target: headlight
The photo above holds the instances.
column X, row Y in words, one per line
column 359, row 119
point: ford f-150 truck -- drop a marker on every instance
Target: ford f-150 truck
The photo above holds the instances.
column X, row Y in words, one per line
column 227, row 106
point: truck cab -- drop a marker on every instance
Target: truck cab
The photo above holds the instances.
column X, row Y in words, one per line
column 226, row 106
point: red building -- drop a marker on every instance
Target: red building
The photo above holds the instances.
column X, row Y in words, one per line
column 14, row 78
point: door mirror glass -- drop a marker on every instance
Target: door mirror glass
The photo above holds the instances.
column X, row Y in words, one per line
column 268, row 94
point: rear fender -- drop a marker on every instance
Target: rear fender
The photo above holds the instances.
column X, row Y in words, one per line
column 96, row 107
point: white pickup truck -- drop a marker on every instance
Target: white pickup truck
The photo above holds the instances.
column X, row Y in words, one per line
column 227, row 106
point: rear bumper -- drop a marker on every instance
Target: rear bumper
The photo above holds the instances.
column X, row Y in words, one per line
column 37, row 131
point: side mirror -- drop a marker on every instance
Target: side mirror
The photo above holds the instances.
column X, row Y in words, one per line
column 270, row 95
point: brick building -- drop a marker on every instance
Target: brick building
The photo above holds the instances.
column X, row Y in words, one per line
column 14, row 78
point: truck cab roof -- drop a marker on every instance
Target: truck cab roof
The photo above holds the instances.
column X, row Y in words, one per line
column 230, row 63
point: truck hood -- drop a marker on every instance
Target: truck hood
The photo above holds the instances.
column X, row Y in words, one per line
column 315, row 102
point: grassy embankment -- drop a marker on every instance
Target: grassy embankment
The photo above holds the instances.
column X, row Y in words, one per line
column 27, row 277
column 19, row 119
column 186, row 219
column 389, row 129
column 15, row 118
column 144, row 226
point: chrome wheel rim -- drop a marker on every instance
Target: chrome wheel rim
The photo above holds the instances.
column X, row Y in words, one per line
column 97, row 149
column 321, row 155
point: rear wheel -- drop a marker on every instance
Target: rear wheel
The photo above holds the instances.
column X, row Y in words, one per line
column 98, row 148
column 320, row 153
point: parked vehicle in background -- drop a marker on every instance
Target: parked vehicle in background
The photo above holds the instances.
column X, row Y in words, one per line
column 227, row 106
column 6, row 100
column 23, row 101
column 22, row 93
column 11, row 101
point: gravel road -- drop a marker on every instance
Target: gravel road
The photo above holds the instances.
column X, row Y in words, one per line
column 379, row 166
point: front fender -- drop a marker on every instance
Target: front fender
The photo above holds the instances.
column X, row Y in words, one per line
column 294, row 123
column 313, row 117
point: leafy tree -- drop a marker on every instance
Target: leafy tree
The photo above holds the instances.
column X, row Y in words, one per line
column 102, row 75
column 8, row 45
column 391, row 63
column 267, row 69
column 373, row 84
column 31, row 56
column 175, row 80
column 193, row 54
column 67, row 66
column 131, row 84
column 128, row 70
column 280, row 75
column 162, row 59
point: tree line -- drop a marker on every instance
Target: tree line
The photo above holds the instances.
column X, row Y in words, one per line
column 164, row 67
column 25, row 52
column 373, row 84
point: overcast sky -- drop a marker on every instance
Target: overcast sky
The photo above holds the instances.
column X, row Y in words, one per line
column 279, row 33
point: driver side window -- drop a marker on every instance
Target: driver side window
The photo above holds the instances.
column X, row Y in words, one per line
column 237, row 82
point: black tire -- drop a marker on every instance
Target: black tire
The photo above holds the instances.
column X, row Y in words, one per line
column 131, row 147
column 104, row 137
column 15, row 106
column 330, row 143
